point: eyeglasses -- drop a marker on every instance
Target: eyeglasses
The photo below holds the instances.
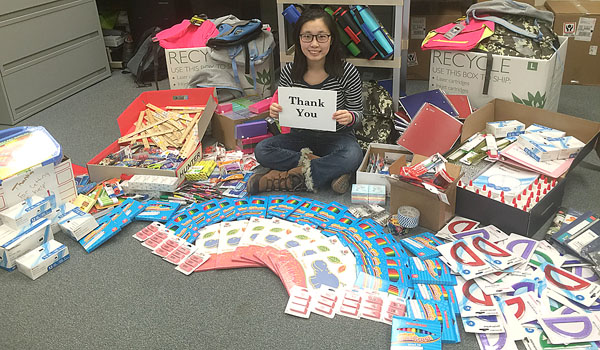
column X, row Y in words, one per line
column 308, row 38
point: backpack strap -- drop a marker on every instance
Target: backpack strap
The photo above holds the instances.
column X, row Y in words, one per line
column 234, row 27
column 488, row 73
column 511, row 26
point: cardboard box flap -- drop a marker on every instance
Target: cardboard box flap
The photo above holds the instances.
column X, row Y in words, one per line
column 453, row 170
column 586, row 131
column 574, row 7
column 183, row 97
column 583, row 129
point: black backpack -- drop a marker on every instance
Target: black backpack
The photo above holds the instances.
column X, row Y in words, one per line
column 148, row 62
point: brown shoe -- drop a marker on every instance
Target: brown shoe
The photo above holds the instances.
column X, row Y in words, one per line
column 275, row 180
column 341, row 184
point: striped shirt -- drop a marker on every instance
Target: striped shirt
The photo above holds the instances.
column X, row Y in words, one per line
column 348, row 87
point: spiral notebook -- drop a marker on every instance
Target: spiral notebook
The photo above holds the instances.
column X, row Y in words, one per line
column 431, row 131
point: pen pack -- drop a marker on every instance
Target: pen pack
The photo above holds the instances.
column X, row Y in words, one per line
column 257, row 206
column 431, row 271
column 273, row 204
column 415, row 333
column 437, row 292
column 299, row 214
column 160, row 211
column 439, row 311
column 423, row 245
column 227, row 206
column 329, row 212
column 111, row 224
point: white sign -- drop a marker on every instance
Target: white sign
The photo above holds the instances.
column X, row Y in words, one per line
column 307, row 108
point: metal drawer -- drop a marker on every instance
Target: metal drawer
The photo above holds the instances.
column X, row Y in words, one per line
column 55, row 77
column 36, row 35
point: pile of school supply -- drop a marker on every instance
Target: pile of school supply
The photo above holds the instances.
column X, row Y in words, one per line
column 137, row 156
column 455, row 106
column 429, row 173
column 508, row 282
column 26, row 226
column 170, row 127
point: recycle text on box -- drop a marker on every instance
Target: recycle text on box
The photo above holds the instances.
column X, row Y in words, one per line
column 532, row 82
column 184, row 64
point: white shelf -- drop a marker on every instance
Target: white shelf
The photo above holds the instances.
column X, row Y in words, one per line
column 397, row 64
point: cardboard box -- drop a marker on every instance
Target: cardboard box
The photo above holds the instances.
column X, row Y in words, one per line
column 391, row 152
column 38, row 181
column 506, row 217
column 529, row 81
column 426, row 16
column 184, row 64
column 435, row 212
column 15, row 243
column 223, row 127
column 43, row 259
column 579, row 21
column 127, row 119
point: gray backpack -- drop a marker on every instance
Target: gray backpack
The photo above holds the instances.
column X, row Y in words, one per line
column 242, row 58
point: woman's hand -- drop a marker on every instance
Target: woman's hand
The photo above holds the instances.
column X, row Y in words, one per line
column 343, row 117
column 274, row 110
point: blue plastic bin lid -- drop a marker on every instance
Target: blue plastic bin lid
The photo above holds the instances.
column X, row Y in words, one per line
column 24, row 147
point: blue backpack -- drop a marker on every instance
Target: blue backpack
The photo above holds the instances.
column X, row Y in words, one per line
column 234, row 34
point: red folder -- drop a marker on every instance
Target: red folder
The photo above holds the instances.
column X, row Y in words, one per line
column 431, row 131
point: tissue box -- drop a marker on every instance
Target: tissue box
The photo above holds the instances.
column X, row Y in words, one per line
column 57, row 212
column 77, row 223
column 569, row 146
column 28, row 211
column 14, row 243
column 538, row 147
column 505, row 128
column 544, row 131
column 42, row 259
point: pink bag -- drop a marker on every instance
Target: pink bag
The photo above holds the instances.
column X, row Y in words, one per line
column 460, row 36
column 187, row 35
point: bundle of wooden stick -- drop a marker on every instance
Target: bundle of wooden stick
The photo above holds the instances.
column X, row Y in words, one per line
column 168, row 128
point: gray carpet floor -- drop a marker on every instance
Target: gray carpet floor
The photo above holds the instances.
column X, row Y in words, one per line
column 122, row 297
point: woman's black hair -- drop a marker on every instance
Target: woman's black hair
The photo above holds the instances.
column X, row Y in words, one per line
column 334, row 59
